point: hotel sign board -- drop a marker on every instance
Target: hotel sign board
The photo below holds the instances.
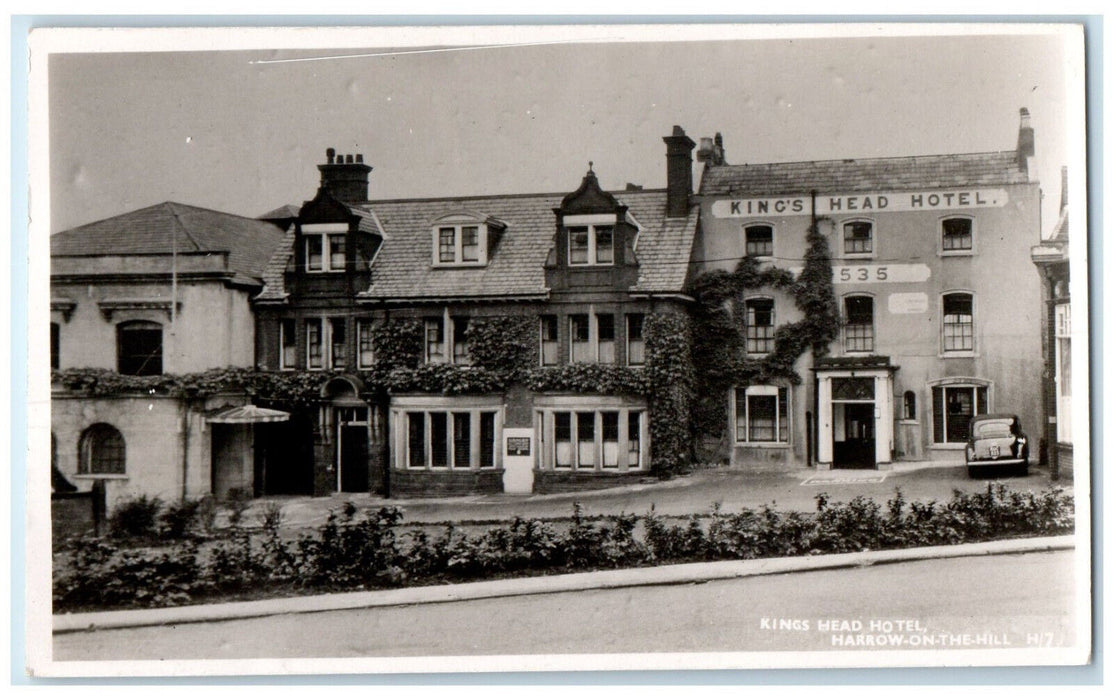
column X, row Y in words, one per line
column 860, row 203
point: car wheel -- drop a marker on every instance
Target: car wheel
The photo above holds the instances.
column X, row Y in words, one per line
column 1024, row 469
column 972, row 472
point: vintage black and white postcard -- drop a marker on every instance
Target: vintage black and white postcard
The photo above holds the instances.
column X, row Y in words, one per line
column 500, row 348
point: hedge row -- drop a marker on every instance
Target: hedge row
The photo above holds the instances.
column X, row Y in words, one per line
column 369, row 550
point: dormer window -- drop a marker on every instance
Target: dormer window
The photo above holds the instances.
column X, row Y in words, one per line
column 591, row 245
column 463, row 240
column 324, row 247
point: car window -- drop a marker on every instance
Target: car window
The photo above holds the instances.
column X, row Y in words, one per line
column 993, row 428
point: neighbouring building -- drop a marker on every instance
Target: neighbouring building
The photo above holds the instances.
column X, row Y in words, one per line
column 938, row 304
column 1051, row 259
column 471, row 344
column 137, row 299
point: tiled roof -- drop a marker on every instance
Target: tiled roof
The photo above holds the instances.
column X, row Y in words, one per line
column 403, row 266
column 169, row 227
column 286, row 211
column 866, row 174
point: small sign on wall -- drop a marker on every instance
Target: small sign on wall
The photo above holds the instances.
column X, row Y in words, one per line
column 518, row 446
column 908, row 303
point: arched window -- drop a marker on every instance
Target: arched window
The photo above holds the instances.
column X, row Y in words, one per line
column 910, row 406
column 957, row 235
column 858, row 238
column 858, row 330
column 139, row 348
column 959, row 322
column 759, row 240
column 101, row 450
column 760, row 325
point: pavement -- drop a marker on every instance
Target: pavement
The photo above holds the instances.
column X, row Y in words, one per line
column 734, row 488
column 595, row 580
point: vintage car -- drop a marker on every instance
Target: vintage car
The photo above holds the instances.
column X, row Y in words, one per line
column 995, row 443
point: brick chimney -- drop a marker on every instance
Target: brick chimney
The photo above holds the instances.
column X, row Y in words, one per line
column 711, row 151
column 678, row 179
column 345, row 177
column 1026, row 142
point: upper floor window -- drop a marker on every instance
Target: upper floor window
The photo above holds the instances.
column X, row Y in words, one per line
column 435, row 340
column 324, row 247
column 459, row 244
column 288, row 344
column 858, row 330
column 338, row 343
column 446, row 339
column 636, row 344
column 580, row 338
column 315, row 344
column 139, row 348
column 549, row 340
column 858, row 238
column 55, row 333
column 959, row 322
column 460, row 340
column 101, row 450
column 760, row 325
column 605, row 332
column 957, row 235
column 759, row 240
column 365, row 351
column 591, row 245
column 592, row 338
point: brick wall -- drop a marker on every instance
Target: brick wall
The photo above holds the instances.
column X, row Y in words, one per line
column 547, row 481
column 71, row 515
column 1064, row 460
column 416, row 483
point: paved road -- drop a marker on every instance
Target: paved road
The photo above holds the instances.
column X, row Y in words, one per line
column 734, row 489
column 997, row 601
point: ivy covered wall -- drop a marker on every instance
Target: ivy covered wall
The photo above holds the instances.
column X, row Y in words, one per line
column 504, row 353
column 719, row 329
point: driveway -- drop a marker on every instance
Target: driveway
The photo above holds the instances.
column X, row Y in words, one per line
column 733, row 488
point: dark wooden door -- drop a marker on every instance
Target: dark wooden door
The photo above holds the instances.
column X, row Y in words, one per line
column 858, row 445
column 353, row 458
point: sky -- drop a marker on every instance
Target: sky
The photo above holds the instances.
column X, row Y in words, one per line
column 224, row 130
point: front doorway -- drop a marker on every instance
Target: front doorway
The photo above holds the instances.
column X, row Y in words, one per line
column 853, row 446
column 352, row 448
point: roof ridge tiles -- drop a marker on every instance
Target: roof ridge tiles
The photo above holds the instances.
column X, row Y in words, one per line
column 862, row 160
column 473, row 197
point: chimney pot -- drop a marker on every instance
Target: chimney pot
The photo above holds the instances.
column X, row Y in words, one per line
column 348, row 158
column 678, row 160
column 359, row 157
column 329, row 154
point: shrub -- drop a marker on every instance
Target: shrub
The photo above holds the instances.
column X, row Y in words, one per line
column 271, row 516
column 101, row 575
column 180, row 519
column 237, row 502
column 353, row 550
column 135, row 517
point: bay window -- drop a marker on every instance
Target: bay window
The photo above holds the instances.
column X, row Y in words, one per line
column 953, row 407
column 602, row 439
column 448, row 438
column 762, row 414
